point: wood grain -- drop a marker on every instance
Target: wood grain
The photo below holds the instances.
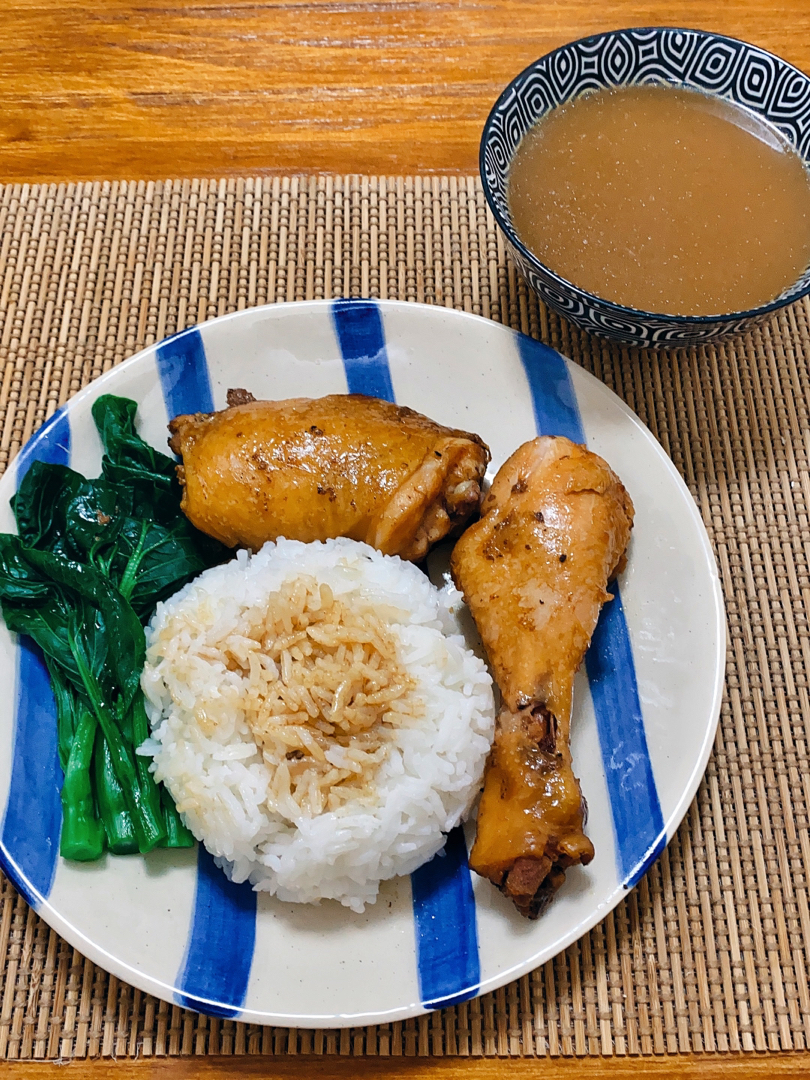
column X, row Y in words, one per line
column 141, row 88
column 721, row 1067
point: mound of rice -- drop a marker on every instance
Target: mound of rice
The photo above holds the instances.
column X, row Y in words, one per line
column 317, row 717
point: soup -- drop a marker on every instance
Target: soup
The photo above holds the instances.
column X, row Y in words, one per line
column 663, row 199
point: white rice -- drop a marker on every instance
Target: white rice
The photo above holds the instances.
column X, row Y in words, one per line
column 421, row 768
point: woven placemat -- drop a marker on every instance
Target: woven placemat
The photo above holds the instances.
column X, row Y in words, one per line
column 711, row 951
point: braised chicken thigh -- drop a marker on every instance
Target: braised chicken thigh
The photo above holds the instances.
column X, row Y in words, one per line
column 534, row 570
column 342, row 465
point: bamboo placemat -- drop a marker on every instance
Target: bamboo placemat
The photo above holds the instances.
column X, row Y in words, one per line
column 711, row 951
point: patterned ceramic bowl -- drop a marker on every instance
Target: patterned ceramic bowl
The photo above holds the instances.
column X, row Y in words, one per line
column 731, row 69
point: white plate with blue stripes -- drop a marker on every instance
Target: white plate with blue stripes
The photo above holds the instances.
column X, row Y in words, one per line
column 646, row 704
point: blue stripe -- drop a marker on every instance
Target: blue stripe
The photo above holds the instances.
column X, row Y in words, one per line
column 184, row 374
column 359, row 330
column 443, row 902
column 33, row 815
column 638, row 823
column 446, row 934
column 637, row 816
column 214, row 975
column 50, row 444
column 556, row 411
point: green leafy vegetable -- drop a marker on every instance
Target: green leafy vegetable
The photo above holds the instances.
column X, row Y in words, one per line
column 111, row 802
column 83, row 834
column 91, row 561
column 41, row 502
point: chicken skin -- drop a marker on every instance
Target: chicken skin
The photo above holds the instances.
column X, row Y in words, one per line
column 534, row 570
column 313, row 469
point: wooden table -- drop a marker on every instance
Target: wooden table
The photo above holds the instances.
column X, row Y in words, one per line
column 772, row 1067
column 113, row 89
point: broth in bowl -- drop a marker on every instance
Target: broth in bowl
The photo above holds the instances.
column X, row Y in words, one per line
column 663, row 199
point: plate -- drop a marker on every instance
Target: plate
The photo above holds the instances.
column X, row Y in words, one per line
column 646, row 702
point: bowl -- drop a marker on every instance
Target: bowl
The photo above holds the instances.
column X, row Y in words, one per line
column 695, row 59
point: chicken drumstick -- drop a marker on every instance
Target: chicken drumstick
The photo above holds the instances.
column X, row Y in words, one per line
column 533, row 571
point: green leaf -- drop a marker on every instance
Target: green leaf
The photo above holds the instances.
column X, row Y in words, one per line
column 122, row 625
column 115, row 419
column 154, row 561
column 41, row 502
column 20, row 582
column 133, row 464
column 56, row 628
column 94, row 517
